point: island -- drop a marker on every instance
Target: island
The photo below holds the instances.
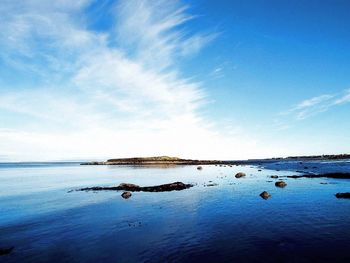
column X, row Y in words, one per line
column 167, row 160
column 160, row 160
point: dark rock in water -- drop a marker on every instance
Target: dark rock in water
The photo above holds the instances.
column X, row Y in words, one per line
column 265, row 195
column 126, row 195
column 293, row 176
column 280, row 184
column 135, row 188
column 166, row 187
column 239, row 175
column 212, row 184
column 6, row 251
column 199, row 168
column 343, row 195
column 326, row 175
column 274, row 176
column 334, row 175
column 259, row 170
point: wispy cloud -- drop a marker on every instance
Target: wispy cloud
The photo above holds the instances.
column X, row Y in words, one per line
column 153, row 32
column 113, row 93
column 217, row 73
column 316, row 105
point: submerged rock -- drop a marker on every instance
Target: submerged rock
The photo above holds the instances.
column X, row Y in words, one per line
column 126, row 195
column 265, row 195
column 240, row 174
column 343, row 195
column 135, row 188
column 274, row 176
column 6, row 251
column 280, row 184
column 199, row 168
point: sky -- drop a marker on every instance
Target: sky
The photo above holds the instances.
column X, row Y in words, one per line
column 201, row 79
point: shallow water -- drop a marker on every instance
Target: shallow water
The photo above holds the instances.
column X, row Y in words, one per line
column 302, row 222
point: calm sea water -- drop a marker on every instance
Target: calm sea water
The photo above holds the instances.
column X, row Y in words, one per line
column 302, row 222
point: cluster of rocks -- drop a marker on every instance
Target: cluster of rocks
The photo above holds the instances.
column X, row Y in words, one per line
column 177, row 186
column 265, row 195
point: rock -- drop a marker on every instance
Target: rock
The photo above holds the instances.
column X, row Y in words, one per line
column 280, row 184
column 343, row 195
column 199, row 168
column 326, row 175
column 265, row 195
column 135, row 188
column 294, row 176
column 274, row 176
column 166, row 187
column 126, row 195
column 240, row 174
column 6, row 251
column 259, row 170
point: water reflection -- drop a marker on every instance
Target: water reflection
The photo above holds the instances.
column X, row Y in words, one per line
column 302, row 222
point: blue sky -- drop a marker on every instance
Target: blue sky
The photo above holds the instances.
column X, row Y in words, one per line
column 196, row 79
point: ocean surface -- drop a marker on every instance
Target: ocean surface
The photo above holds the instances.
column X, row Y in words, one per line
column 229, row 222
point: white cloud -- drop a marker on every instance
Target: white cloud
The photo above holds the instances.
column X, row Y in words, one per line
column 313, row 106
column 217, row 73
column 153, row 31
column 345, row 98
column 107, row 94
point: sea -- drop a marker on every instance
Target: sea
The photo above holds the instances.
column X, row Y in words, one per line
column 220, row 219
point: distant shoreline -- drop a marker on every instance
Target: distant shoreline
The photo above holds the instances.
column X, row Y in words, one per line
column 161, row 160
column 166, row 160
